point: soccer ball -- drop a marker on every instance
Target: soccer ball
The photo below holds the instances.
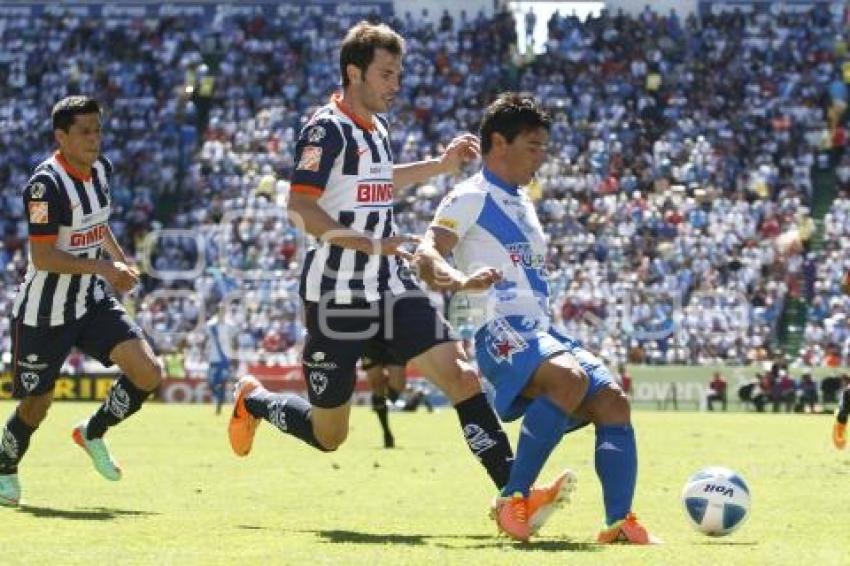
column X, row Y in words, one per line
column 716, row 501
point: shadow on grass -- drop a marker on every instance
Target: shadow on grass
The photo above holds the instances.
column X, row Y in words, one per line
column 727, row 543
column 482, row 541
column 90, row 514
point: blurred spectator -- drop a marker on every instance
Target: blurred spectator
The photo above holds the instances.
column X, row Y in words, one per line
column 717, row 391
column 807, row 393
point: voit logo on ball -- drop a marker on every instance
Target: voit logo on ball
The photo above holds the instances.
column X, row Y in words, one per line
column 716, row 501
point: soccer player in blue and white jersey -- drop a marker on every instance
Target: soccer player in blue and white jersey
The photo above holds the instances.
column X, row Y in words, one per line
column 356, row 284
column 221, row 364
column 546, row 378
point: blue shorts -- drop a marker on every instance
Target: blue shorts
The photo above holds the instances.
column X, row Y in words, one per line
column 218, row 373
column 510, row 349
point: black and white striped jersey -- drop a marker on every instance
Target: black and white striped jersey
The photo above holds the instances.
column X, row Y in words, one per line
column 71, row 209
column 348, row 165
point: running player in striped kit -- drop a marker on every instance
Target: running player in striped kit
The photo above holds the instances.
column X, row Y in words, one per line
column 356, row 284
column 64, row 300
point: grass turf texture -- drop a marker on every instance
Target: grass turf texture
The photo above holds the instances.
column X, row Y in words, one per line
column 185, row 499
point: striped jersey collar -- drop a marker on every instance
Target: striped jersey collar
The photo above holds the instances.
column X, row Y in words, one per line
column 499, row 182
column 349, row 112
column 70, row 169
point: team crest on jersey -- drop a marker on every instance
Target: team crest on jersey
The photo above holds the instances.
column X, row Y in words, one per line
column 37, row 190
column 311, row 157
column 315, row 134
column 503, row 341
column 38, row 212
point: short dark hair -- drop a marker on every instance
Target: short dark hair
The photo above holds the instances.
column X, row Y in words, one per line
column 65, row 111
column 358, row 47
column 510, row 115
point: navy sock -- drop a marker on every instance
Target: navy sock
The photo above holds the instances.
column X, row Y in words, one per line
column 486, row 438
column 14, row 444
column 843, row 407
column 616, row 466
column 543, row 427
column 287, row 411
column 379, row 405
column 392, row 394
column 123, row 399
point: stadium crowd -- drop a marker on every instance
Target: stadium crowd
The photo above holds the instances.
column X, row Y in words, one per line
column 680, row 148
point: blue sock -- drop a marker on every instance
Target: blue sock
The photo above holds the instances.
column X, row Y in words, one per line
column 616, row 466
column 542, row 428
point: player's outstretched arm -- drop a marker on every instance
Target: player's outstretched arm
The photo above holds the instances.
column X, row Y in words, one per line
column 461, row 149
column 306, row 214
column 46, row 257
column 113, row 248
column 432, row 267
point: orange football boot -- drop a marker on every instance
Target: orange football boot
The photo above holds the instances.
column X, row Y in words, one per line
column 511, row 516
column 839, row 437
column 243, row 424
column 543, row 501
column 627, row 531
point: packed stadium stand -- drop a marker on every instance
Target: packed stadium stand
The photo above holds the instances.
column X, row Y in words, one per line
column 681, row 146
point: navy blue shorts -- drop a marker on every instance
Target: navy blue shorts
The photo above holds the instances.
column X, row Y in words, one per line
column 376, row 353
column 337, row 335
column 39, row 351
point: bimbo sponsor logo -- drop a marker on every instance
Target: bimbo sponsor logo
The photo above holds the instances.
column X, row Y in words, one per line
column 85, row 238
column 375, row 192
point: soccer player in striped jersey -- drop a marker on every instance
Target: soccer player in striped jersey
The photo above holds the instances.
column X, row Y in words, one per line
column 64, row 300
column 547, row 379
column 356, row 284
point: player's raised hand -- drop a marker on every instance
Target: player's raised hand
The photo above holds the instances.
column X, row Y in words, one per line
column 121, row 277
column 461, row 149
column 394, row 245
column 481, row 279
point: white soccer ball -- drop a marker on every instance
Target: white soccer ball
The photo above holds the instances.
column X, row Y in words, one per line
column 716, row 501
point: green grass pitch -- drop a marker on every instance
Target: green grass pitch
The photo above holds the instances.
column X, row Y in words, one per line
column 185, row 499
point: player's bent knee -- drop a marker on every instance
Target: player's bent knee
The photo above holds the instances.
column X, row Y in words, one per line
column 612, row 407
column 330, row 441
column 149, row 376
column 464, row 384
column 569, row 389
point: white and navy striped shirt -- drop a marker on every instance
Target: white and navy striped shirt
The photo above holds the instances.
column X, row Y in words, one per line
column 348, row 164
column 71, row 209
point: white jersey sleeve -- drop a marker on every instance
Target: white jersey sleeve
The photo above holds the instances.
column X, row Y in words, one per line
column 459, row 211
